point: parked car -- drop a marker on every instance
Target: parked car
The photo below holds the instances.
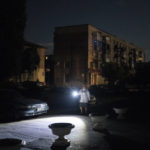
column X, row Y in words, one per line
column 13, row 105
column 32, row 84
column 92, row 100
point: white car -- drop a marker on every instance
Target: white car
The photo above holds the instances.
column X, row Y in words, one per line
column 13, row 105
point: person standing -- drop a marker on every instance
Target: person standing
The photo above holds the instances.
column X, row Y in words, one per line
column 84, row 99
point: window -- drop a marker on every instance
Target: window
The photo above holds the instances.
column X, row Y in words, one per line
column 107, row 39
column 67, row 77
column 96, row 40
column 67, row 64
column 140, row 54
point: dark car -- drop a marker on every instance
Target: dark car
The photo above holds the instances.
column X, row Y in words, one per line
column 32, row 84
column 14, row 105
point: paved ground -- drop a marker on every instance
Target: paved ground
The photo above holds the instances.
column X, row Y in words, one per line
column 123, row 134
column 90, row 133
column 38, row 136
column 108, row 134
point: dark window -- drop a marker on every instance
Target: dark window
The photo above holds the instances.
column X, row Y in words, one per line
column 67, row 64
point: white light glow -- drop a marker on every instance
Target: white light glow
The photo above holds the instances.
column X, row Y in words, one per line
column 75, row 93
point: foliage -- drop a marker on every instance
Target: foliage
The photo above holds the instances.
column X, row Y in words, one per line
column 13, row 18
column 114, row 73
column 142, row 74
column 31, row 60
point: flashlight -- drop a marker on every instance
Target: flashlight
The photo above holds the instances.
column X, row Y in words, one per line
column 75, row 93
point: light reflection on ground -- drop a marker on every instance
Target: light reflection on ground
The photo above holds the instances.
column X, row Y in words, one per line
column 80, row 133
column 37, row 133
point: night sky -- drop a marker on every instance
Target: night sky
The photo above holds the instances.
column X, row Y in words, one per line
column 127, row 19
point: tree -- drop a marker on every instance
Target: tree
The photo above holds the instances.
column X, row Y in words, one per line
column 115, row 73
column 142, row 74
column 30, row 60
column 12, row 25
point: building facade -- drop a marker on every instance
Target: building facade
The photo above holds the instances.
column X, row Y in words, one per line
column 49, row 70
column 81, row 50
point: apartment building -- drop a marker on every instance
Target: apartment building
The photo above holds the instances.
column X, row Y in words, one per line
column 81, row 50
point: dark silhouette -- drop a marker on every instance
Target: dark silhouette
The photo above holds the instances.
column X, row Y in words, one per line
column 115, row 73
column 142, row 74
column 12, row 25
column 30, row 59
